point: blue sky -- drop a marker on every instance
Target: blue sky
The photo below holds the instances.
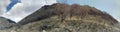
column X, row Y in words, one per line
column 16, row 10
column 12, row 3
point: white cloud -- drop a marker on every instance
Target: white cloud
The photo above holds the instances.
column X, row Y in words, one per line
column 51, row 2
column 21, row 10
column 3, row 5
column 119, row 20
column 16, row 13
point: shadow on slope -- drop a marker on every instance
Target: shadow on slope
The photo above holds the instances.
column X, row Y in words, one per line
column 6, row 23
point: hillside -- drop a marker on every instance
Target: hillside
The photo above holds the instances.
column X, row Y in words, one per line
column 67, row 18
column 69, row 11
column 6, row 23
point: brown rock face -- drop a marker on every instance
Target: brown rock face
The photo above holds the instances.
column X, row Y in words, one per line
column 64, row 10
column 67, row 18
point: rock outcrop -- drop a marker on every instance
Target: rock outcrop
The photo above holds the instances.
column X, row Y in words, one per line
column 6, row 23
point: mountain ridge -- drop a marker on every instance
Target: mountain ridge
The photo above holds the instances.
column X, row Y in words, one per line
column 64, row 10
column 66, row 18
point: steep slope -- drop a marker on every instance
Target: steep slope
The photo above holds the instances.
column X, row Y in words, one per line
column 54, row 24
column 6, row 23
column 45, row 12
column 64, row 10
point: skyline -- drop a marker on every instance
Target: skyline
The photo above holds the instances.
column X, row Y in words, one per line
column 110, row 6
column 27, row 7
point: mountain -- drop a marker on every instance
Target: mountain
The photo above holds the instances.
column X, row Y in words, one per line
column 67, row 18
column 64, row 10
column 6, row 23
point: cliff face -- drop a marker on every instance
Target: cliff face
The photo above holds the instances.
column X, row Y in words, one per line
column 67, row 18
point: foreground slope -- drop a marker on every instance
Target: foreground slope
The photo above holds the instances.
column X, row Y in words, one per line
column 6, row 23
